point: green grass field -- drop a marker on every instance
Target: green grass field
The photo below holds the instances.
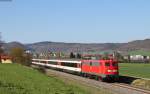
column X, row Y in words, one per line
column 137, row 70
column 18, row 79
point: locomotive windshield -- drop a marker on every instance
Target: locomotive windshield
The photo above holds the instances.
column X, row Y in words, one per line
column 114, row 64
column 107, row 64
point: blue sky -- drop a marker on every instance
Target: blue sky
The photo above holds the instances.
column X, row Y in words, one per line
column 82, row 21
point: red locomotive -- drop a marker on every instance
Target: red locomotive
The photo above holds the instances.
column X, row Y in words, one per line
column 100, row 69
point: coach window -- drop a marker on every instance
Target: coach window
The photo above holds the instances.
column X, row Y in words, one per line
column 69, row 64
column 35, row 61
column 42, row 61
column 53, row 63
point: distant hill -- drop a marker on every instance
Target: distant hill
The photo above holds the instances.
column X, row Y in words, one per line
column 72, row 47
column 8, row 46
column 136, row 45
column 46, row 46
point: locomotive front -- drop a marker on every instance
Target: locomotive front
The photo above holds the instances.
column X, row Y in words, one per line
column 110, row 69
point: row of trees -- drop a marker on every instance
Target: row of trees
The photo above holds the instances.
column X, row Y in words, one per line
column 72, row 55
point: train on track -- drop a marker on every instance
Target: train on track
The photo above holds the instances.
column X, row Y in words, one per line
column 102, row 69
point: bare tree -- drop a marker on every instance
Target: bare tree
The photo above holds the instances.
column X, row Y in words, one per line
column 1, row 45
column 19, row 56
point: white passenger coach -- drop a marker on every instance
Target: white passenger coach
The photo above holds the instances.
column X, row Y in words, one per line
column 71, row 65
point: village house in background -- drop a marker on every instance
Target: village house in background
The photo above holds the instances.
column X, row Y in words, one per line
column 5, row 59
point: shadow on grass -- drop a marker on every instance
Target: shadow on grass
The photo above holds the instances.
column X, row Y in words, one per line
column 41, row 69
column 127, row 79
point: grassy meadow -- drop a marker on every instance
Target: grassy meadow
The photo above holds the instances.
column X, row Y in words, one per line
column 18, row 79
column 137, row 70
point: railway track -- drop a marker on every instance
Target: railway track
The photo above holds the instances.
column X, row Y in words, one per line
column 132, row 89
column 114, row 88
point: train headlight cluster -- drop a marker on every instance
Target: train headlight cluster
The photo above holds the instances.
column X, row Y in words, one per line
column 112, row 70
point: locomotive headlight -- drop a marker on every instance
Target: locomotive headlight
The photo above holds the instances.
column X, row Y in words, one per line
column 114, row 70
column 109, row 70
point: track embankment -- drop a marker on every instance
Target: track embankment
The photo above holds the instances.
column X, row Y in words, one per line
column 107, row 88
